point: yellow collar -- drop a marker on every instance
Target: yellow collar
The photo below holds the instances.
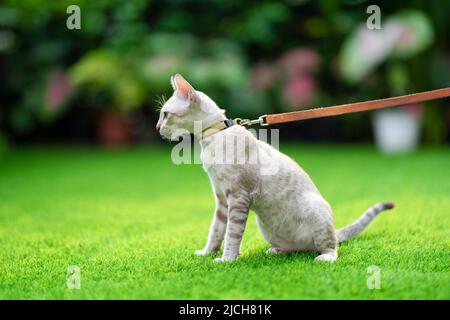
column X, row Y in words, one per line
column 215, row 128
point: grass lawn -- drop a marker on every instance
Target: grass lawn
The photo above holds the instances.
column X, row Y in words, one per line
column 131, row 220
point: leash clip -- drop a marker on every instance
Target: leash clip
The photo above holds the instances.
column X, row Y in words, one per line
column 247, row 122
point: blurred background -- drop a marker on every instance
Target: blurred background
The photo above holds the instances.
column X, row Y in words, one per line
column 101, row 84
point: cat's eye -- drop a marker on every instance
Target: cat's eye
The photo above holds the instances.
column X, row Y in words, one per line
column 165, row 114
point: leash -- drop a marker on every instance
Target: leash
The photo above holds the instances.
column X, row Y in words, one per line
column 271, row 119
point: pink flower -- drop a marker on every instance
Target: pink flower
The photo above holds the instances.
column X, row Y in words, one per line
column 262, row 76
column 299, row 61
column 58, row 91
column 376, row 45
column 299, row 92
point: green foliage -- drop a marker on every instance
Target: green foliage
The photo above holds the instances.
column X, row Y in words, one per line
column 258, row 22
column 434, row 126
column 110, row 80
column 135, row 240
column 125, row 52
column 3, row 145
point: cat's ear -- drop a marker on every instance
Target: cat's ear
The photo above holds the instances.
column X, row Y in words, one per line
column 181, row 87
column 172, row 82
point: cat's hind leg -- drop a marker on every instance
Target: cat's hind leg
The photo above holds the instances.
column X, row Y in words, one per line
column 330, row 256
column 279, row 246
column 319, row 219
column 325, row 241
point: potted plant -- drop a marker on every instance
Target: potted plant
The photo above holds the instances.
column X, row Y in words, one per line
column 401, row 37
column 398, row 130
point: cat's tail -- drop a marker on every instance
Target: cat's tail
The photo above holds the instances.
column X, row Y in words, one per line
column 361, row 223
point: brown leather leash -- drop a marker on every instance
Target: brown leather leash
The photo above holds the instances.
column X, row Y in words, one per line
column 270, row 119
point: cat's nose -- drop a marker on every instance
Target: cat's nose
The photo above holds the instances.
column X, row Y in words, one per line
column 158, row 126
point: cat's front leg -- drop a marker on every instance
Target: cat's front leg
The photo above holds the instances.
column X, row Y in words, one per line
column 237, row 219
column 218, row 226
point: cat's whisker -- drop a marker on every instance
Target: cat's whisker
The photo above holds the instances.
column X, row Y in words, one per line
column 159, row 101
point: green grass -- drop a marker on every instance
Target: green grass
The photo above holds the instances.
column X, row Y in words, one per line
column 132, row 220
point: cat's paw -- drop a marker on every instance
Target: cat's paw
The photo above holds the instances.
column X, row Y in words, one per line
column 224, row 259
column 274, row 250
column 203, row 252
column 327, row 257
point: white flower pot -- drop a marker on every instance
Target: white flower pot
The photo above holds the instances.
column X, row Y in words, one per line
column 396, row 130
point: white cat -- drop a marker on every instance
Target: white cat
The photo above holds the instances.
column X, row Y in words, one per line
column 291, row 213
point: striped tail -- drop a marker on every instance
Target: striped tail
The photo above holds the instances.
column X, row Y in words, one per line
column 361, row 223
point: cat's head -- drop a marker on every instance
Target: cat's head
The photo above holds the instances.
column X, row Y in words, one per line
column 185, row 108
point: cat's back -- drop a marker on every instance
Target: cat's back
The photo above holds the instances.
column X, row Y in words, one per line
column 274, row 168
column 246, row 156
column 286, row 171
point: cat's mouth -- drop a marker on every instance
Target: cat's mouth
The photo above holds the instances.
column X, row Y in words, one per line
column 169, row 136
column 176, row 139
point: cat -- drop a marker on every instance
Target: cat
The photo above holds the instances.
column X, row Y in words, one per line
column 291, row 214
